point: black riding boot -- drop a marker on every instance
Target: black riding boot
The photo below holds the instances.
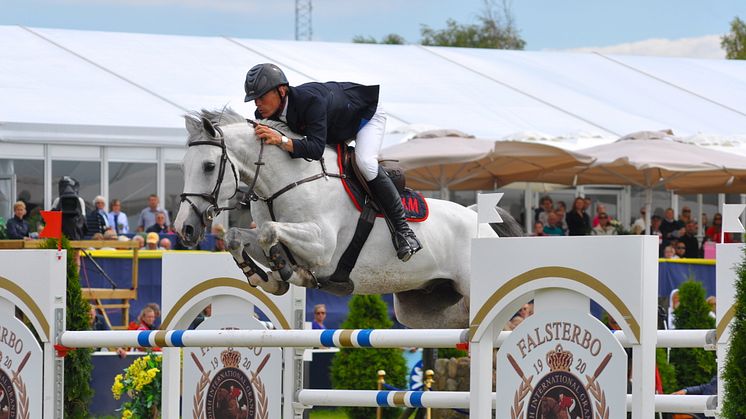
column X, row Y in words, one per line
column 388, row 199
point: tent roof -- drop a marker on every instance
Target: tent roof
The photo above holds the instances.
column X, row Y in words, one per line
column 87, row 87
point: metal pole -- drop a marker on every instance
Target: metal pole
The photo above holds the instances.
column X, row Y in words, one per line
column 381, row 381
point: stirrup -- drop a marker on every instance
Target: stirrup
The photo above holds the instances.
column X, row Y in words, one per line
column 411, row 245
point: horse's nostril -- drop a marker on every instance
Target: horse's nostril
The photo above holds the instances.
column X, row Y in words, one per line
column 188, row 230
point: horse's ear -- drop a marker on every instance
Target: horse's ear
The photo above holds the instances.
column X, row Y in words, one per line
column 209, row 128
column 193, row 125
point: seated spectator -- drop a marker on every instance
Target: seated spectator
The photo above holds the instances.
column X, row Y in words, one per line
column 712, row 302
column 97, row 221
column 157, row 310
column 513, row 323
column 165, row 243
column 680, row 249
column 561, row 222
column 526, row 310
column 160, row 226
column 713, row 232
column 147, row 215
column 551, row 228
column 139, row 240
column 538, row 229
column 17, row 228
column 673, row 304
column 689, row 239
column 600, row 209
column 319, row 315
column 604, row 227
column 151, row 243
column 670, row 228
column 118, row 219
column 686, row 215
column 146, row 319
column 669, row 253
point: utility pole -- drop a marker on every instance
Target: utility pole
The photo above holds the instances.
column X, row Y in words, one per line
column 303, row 26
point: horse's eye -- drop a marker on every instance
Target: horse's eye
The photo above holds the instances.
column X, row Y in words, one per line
column 209, row 166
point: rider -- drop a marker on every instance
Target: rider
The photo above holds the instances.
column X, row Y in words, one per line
column 331, row 113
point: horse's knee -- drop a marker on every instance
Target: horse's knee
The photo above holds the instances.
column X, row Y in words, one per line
column 267, row 235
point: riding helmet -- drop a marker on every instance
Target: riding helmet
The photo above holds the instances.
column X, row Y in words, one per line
column 261, row 79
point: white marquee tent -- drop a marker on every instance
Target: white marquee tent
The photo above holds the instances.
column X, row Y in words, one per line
column 118, row 97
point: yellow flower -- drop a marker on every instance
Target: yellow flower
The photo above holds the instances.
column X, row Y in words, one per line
column 126, row 414
column 118, row 387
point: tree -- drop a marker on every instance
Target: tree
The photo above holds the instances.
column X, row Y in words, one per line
column 693, row 366
column 354, row 368
column 496, row 29
column 734, row 43
column 391, row 39
column 78, row 363
column 734, row 372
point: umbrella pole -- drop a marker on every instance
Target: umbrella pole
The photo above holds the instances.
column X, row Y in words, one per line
column 648, row 208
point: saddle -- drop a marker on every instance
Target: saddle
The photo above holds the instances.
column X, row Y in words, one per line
column 415, row 205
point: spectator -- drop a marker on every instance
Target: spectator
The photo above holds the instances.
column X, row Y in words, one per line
column 151, row 243
column 157, row 310
column 669, row 252
column 97, row 220
column 578, row 222
column 17, row 228
column 513, row 323
column 670, row 227
column 551, row 228
column 707, row 389
column 713, row 232
column 319, row 315
column 704, row 221
column 165, row 243
column 690, row 240
column 680, row 249
column 561, row 218
column 586, row 204
column 160, row 226
column 219, row 232
column 600, row 208
column 546, row 205
column 147, row 215
column 712, row 302
column 538, row 229
column 604, row 227
column 118, row 219
column 140, row 241
column 526, row 310
column 655, row 230
column 639, row 226
column 686, row 215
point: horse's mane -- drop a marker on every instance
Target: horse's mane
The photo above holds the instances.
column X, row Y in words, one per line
column 228, row 116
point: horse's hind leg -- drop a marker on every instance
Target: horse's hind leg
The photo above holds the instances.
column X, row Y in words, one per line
column 242, row 245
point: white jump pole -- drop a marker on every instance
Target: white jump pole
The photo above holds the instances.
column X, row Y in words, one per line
column 374, row 398
column 339, row 338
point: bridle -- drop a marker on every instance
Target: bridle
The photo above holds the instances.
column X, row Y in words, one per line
column 213, row 209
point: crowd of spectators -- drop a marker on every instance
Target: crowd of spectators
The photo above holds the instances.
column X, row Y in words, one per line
column 153, row 231
column 678, row 236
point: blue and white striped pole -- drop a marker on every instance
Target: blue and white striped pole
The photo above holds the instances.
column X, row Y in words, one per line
column 332, row 338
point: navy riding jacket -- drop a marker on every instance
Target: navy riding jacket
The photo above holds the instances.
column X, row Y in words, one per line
column 327, row 113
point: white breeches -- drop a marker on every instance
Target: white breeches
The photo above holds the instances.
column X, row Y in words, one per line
column 368, row 144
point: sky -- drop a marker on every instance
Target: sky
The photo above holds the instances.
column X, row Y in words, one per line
column 647, row 27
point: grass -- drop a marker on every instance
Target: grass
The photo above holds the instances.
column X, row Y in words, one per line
column 327, row 414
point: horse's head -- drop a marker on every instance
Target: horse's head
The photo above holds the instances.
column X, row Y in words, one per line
column 210, row 178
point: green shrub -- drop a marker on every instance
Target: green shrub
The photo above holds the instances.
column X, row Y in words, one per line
column 693, row 366
column 78, row 363
column 734, row 372
column 449, row 353
column 356, row 369
column 666, row 370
